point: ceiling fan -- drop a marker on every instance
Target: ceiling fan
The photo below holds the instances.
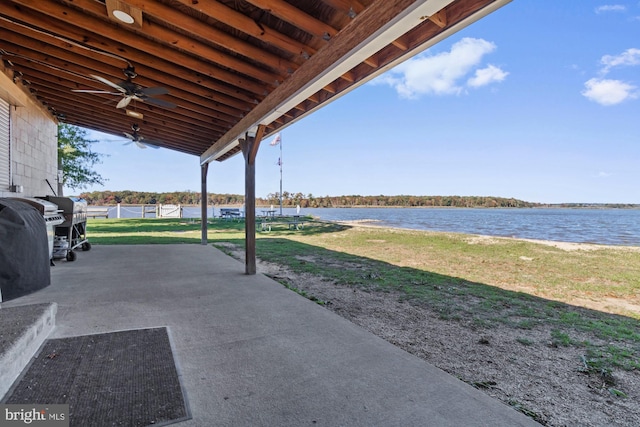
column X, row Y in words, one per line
column 131, row 91
column 138, row 139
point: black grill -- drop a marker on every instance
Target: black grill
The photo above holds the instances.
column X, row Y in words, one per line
column 24, row 256
column 50, row 213
column 72, row 233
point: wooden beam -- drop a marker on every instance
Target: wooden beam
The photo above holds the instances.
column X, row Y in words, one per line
column 296, row 17
column 346, row 5
column 372, row 62
column 400, row 43
column 245, row 24
column 348, row 76
column 214, row 36
column 115, row 40
column 168, row 41
column 12, row 92
column 179, row 80
column 440, row 18
column 68, row 62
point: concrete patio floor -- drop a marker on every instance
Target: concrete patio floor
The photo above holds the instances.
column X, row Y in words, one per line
column 251, row 352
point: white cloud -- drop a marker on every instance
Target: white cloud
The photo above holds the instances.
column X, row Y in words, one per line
column 603, row 174
column 442, row 74
column 487, row 76
column 629, row 57
column 608, row 92
column 611, row 8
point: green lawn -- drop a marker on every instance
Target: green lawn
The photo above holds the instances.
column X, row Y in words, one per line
column 511, row 282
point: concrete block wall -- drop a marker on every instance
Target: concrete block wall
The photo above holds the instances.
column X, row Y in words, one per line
column 34, row 151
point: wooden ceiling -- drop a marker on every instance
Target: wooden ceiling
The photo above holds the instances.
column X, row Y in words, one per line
column 228, row 65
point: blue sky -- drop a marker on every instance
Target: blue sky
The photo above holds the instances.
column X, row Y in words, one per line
column 539, row 101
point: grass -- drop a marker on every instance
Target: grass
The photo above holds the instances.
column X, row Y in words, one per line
column 485, row 282
column 134, row 231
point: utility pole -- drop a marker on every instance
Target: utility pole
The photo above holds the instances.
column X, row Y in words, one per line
column 278, row 141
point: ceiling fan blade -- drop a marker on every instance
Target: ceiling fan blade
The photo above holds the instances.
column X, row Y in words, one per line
column 128, row 135
column 129, row 88
column 140, row 144
column 109, row 83
column 124, row 102
column 151, row 144
column 159, row 102
column 153, row 91
column 95, row 91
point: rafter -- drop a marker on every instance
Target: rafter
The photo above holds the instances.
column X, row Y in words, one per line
column 245, row 24
column 163, row 38
column 295, row 16
column 41, row 49
column 108, row 37
column 207, row 32
column 440, row 18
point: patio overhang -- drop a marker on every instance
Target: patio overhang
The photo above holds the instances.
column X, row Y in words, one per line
column 228, row 66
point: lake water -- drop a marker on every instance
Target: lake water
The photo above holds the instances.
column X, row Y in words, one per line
column 602, row 226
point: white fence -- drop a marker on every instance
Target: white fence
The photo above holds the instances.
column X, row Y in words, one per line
column 168, row 211
column 143, row 211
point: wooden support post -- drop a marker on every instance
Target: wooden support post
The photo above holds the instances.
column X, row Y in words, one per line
column 250, row 147
column 203, row 202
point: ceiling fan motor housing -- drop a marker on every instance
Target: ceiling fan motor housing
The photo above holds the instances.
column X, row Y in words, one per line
column 130, row 72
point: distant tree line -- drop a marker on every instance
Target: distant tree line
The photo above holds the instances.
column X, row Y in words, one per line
column 311, row 201
column 105, row 198
column 102, row 198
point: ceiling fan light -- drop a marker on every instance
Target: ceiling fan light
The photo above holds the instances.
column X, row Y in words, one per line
column 135, row 114
column 123, row 16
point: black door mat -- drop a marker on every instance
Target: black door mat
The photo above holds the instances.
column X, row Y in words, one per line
column 126, row 378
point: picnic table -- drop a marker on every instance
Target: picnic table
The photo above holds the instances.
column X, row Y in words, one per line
column 295, row 222
column 230, row 213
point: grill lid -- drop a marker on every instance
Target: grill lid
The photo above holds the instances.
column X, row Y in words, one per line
column 68, row 204
column 45, row 207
